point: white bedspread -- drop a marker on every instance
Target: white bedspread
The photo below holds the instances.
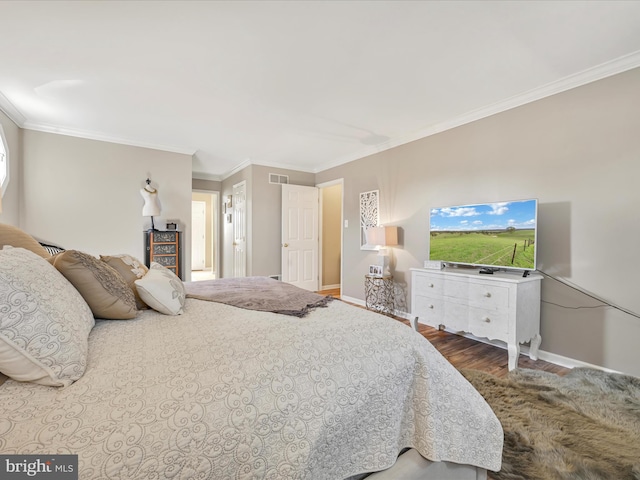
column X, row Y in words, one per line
column 225, row 393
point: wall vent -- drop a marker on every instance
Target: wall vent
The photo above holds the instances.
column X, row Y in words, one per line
column 278, row 179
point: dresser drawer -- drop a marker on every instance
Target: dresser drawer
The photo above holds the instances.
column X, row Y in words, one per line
column 165, row 236
column 166, row 261
column 477, row 295
column 165, row 249
column 429, row 310
column 428, row 285
column 488, row 323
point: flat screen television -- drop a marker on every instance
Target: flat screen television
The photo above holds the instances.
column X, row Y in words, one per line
column 499, row 235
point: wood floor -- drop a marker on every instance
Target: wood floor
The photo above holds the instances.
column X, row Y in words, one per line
column 466, row 353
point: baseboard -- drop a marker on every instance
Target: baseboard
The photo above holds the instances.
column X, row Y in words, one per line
column 542, row 354
column 330, row 287
column 356, row 301
column 524, row 349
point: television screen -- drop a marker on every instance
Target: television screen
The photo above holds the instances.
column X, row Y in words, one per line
column 499, row 235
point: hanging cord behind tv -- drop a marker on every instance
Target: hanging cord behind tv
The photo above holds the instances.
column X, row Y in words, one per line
column 604, row 303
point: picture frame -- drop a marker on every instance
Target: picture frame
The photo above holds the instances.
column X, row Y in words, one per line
column 172, row 226
column 375, row 270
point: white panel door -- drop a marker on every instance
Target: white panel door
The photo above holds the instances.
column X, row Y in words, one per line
column 198, row 235
column 239, row 208
column 300, row 239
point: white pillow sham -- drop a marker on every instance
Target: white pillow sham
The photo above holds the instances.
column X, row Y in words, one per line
column 162, row 290
column 44, row 321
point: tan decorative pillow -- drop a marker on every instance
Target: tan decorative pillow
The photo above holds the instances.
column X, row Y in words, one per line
column 101, row 286
column 10, row 235
column 44, row 322
column 131, row 270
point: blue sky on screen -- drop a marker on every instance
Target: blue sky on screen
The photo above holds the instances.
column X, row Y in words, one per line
column 486, row 216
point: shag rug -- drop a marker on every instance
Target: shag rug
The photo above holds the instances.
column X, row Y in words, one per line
column 581, row 426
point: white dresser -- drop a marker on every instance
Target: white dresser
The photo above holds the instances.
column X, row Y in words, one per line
column 503, row 306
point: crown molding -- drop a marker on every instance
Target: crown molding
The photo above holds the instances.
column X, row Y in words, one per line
column 619, row 65
column 11, row 111
column 39, row 127
column 608, row 69
column 206, row 176
column 236, row 169
column 282, row 166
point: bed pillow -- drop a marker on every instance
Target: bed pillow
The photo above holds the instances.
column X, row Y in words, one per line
column 13, row 236
column 101, row 286
column 44, row 321
column 131, row 269
column 162, row 290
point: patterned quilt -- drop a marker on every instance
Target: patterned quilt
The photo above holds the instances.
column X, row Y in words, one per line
column 227, row 393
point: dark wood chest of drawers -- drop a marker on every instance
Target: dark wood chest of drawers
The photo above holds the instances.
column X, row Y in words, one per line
column 165, row 248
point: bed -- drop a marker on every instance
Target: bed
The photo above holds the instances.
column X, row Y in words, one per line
column 214, row 391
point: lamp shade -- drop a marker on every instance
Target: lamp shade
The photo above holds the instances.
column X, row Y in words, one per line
column 382, row 236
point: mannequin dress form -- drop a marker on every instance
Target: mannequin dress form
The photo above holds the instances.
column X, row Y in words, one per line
column 151, row 205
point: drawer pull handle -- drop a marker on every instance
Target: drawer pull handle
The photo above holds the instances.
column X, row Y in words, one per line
column 488, row 295
column 431, row 285
column 486, row 320
column 431, row 307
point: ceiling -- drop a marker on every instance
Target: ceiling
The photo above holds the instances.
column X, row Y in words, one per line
column 305, row 85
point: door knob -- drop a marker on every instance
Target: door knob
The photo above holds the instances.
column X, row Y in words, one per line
column 285, row 245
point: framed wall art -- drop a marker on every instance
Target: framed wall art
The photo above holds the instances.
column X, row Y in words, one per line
column 369, row 216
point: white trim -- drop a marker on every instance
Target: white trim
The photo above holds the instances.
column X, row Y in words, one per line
column 102, row 137
column 216, row 198
column 614, row 67
column 607, row 69
column 329, row 287
column 236, row 169
column 206, row 176
column 524, row 350
column 11, row 111
column 7, row 158
column 320, row 186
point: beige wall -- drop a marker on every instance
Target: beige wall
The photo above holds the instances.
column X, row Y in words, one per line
column 577, row 152
column 331, row 235
column 85, row 194
column 267, row 217
column 11, row 199
column 264, row 204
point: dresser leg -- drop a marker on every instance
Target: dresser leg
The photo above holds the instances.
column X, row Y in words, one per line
column 533, row 349
column 514, row 353
column 414, row 323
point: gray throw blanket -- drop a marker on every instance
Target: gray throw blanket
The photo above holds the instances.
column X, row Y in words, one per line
column 258, row 293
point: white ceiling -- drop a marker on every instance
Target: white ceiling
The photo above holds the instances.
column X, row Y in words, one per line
column 295, row 84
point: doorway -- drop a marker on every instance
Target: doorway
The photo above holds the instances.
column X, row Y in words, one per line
column 330, row 258
column 239, row 209
column 205, row 251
